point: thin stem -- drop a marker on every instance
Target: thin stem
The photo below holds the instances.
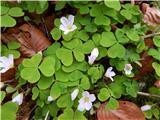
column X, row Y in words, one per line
column 148, row 94
column 150, row 35
column 46, row 116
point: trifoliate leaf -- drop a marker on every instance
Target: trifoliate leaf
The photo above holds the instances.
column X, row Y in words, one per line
column 104, row 94
column 113, row 4
column 102, row 20
column 133, row 35
column 45, row 82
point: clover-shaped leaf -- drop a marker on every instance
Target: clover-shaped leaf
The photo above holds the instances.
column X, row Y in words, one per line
column 104, row 94
column 55, row 91
column 30, row 74
column 13, row 45
column 47, row 67
column 85, row 83
column 56, row 34
column 65, row 56
column 154, row 53
column 75, row 75
column 112, row 104
column 78, row 55
column 16, row 12
column 117, row 50
column 113, row 4
column 62, row 76
column 87, row 47
column 35, row 93
column 102, row 20
column 107, row 39
column 133, row 35
column 45, row 82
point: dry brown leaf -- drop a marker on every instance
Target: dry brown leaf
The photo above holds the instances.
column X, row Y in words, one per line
column 126, row 111
column 151, row 15
column 32, row 40
column 9, row 75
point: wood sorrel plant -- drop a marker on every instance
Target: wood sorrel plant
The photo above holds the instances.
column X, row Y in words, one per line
column 89, row 61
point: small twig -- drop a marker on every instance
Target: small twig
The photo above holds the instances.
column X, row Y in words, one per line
column 148, row 94
column 150, row 35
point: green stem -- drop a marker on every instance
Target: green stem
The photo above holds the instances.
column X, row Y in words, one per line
column 148, row 94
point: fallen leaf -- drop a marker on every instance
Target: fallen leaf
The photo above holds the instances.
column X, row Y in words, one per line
column 9, row 75
column 126, row 111
column 32, row 40
column 151, row 15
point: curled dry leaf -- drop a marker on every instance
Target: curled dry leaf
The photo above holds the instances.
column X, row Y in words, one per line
column 8, row 75
column 32, row 40
column 157, row 84
column 151, row 15
column 126, row 111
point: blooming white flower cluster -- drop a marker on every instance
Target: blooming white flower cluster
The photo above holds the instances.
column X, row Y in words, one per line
column 67, row 25
column 6, row 63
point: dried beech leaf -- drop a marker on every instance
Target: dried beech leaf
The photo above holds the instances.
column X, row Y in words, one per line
column 151, row 15
column 126, row 111
column 32, row 40
column 8, row 75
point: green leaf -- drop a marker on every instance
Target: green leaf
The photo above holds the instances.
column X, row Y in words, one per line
column 72, row 44
column 35, row 93
column 56, row 33
column 30, row 74
column 57, row 22
column 96, row 39
column 75, row 75
column 102, row 20
column 156, row 40
column 13, row 45
column 16, row 12
column 82, row 35
column 85, row 83
column 154, row 53
column 121, row 37
column 64, row 101
column 61, row 76
column 69, row 36
column 55, row 91
column 133, row 35
column 117, row 50
column 60, row 5
column 65, row 56
column 82, row 66
column 84, row 10
column 9, row 111
column 87, row 47
column 156, row 67
column 33, row 62
column 127, row 14
column 131, row 88
column 104, row 94
column 78, row 55
column 95, row 10
column 7, row 21
column 108, row 39
column 4, row 10
column 47, row 67
column 67, row 114
column 45, row 82
column 2, row 94
column 113, row 4
column 15, row 53
column 112, row 104
column 102, row 52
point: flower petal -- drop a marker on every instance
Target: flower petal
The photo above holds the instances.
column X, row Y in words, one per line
column 85, row 93
column 73, row 27
column 74, row 94
column 63, row 28
column 70, row 20
column 64, row 21
column 50, row 98
column 146, row 107
column 81, row 107
column 92, row 97
column 88, row 105
column 18, row 99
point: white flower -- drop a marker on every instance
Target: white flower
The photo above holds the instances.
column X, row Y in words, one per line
column 109, row 73
column 1, row 85
column 128, row 69
column 50, row 98
column 146, row 107
column 93, row 56
column 74, row 94
column 18, row 99
column 6, row 63
column 67, row 24
column 85, row 103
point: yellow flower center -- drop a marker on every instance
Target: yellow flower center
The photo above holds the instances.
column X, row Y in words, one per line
column 69, row 27
column 86, row 99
